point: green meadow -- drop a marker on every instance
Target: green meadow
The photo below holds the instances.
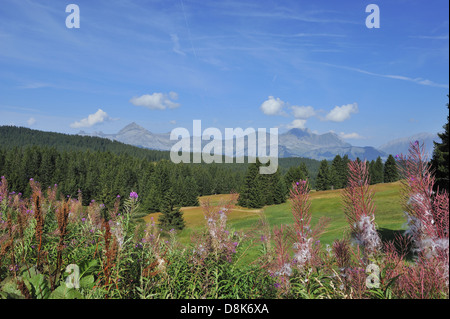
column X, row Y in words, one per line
column 389, row 215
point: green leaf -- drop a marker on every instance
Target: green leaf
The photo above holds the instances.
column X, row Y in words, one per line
column 9, row 289
column 39, row 289
column 62, row 292
column 87, row 282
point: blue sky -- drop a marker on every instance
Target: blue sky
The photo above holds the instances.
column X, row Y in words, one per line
column 260, row 64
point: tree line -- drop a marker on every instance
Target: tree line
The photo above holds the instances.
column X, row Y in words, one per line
column 103, row 176
column 334, row 175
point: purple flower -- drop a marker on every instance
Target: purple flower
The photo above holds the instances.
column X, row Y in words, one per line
column 118, row 196
column 83, row 219
column 31, row 179
column 134, row 195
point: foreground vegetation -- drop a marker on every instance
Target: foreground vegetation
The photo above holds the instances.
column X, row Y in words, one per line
column 57, row 248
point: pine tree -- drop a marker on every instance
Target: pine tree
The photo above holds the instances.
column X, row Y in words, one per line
column 171, row 216
column 295, row 174
column 189, row 192
column 439, row 161
column 376, row 171
column 273, row 188
column 323, row 177
column 280, row 193
column 338, row 172
column 344, row 177
column 390, row 170
column 251, row 192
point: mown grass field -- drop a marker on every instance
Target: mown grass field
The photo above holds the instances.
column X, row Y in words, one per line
column 389, row 214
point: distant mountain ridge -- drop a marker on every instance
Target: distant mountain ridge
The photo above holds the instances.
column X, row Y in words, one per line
column 293, row 143
column 401, row 145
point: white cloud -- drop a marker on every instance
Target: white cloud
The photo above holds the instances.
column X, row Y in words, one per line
column 341, row 113
column 297, row 123
column 159, row 101
column 350, row 135
column 272, row 106
column 98, row 117
column 303, row 112
column 31, row 121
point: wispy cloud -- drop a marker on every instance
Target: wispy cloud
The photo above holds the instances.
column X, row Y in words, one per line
column 35, row 85
column 176, row 44
column 31, row 121
column 418, row 80
column 350, row 135
column 430, row 37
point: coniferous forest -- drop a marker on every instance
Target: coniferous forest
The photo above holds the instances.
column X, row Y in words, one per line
column 102, row 169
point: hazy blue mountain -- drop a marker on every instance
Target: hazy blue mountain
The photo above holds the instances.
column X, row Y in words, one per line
column 136, row 135
column 304, row 143
column 293, row 143
column 401, row 145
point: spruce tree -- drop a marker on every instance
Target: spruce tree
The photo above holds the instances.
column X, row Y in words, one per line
column 344, row 176
column 439, row 161
column 295, row 174
column 190, row 192
column 251, row 192
column 338, row 172
column 276, row 188
column 280, row 193
column 390, row 170
column 376, row 171
column 323, row 176
column 171, row 216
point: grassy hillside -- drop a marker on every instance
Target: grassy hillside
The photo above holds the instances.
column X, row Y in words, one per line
column 389, row 213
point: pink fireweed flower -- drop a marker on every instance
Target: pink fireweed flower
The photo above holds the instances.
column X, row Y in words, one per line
column 359, row 207
column 134, row 195
column 427, row 212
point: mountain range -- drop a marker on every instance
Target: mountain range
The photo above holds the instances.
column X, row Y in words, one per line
column 293, row 143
